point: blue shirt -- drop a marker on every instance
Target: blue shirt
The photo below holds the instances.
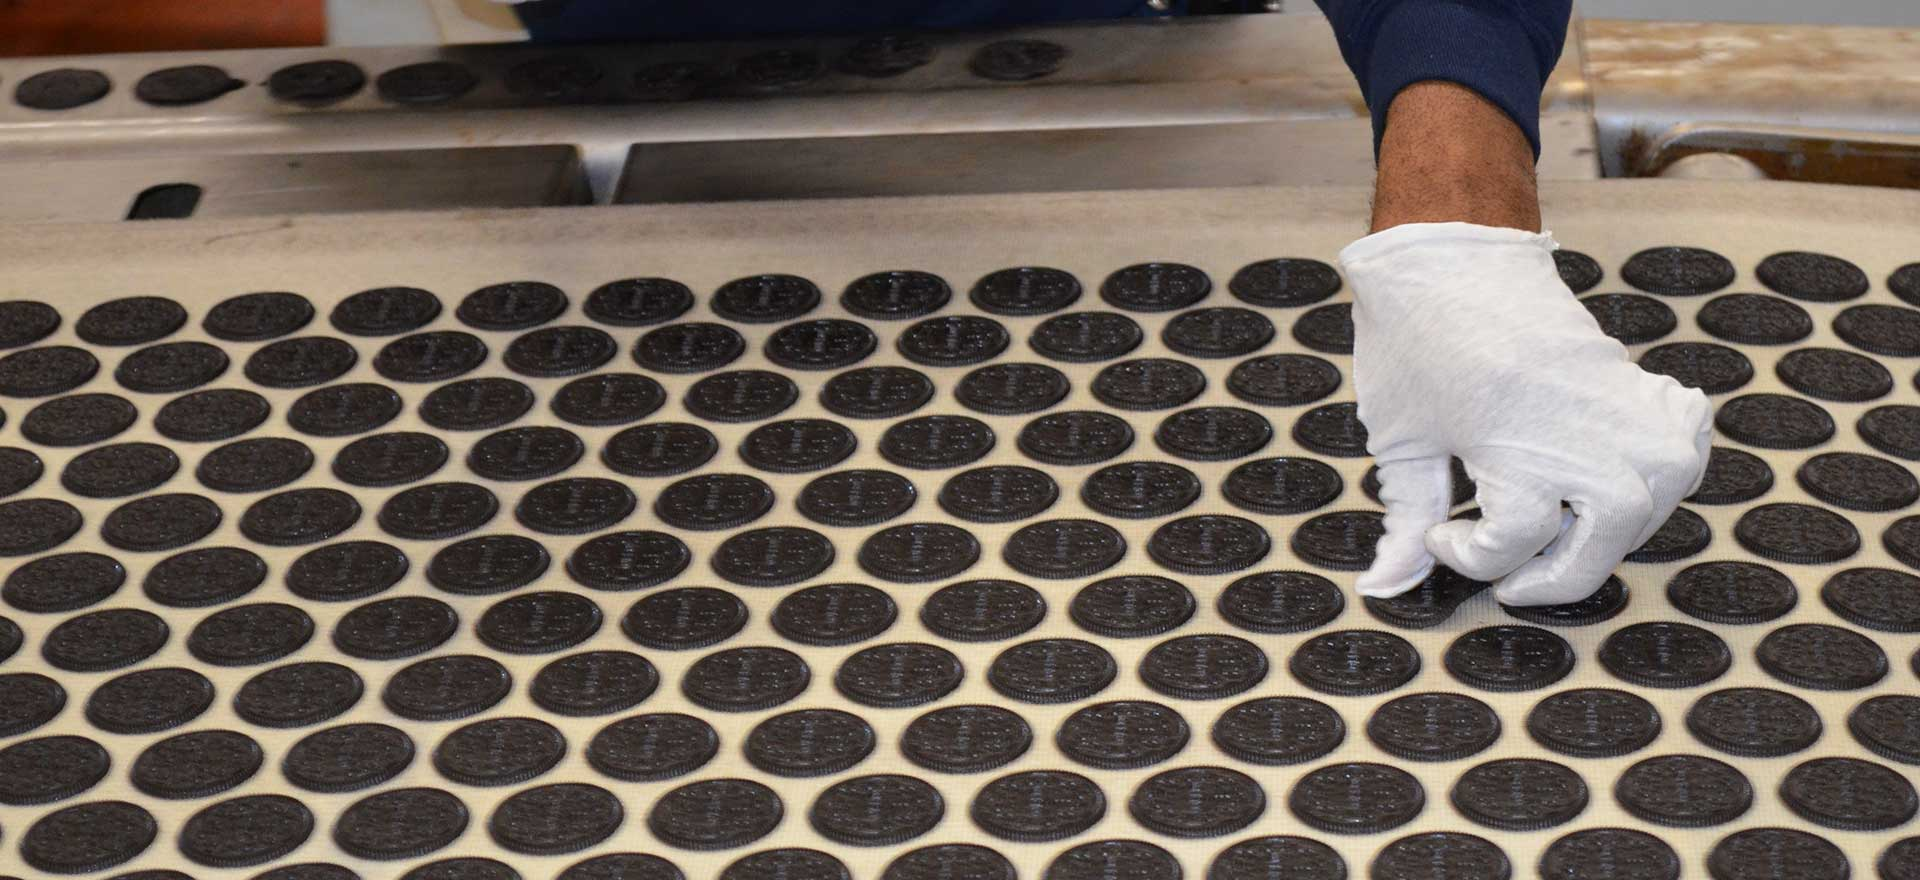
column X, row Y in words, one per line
column 1502, row 49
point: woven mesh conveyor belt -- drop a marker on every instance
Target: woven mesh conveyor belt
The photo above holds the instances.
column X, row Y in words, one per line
column 538, row 573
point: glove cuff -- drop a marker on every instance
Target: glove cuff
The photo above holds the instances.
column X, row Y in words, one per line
column 1389, row 242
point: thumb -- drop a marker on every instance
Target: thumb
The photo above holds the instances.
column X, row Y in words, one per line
column 1417, row 493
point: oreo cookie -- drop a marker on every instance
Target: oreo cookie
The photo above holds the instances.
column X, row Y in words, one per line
column 118, row 470
column 1893, row 429
column 1683, row 791
column 1822, row 657
column 765, row 299
column 1122, row 735
column 1520, row 794
column 463, row 868
column 809, row 742
column 740, row 396
column 796, row 446
column 1283, row 379
column 1733, row 476
column 1148, row 384
column 389, row 459
column 31, row 699
column 349, row 757
column 1278, row 602
column 1796, row 533
column 1710, row 367
column 659, row 449
column 876, row 392
column 432, row 356
column 1284, row 282
column 1811, row 277
column 1025, row 290
column 1684, row 534
column 499, row 751
column 207, row 576
column 189, row 84
column 40, row 372
column 898, row 675
column 608, row 399
column 1833, row 374
column 1880, row 329
column 245, row 831
column 316, row 83
column 246, row 635
column 1677, row 270
column 1887, row 726
column 1278, row 731
column 651, row 748
column 619, row 561
column 820, row 344
column 1579, row 272
column 195, row 765
column 1203, row 667
column 332, row 411
column 1213, row 433
column 538, row 623
column 63, row 582
column 1876, row 598
column 26, row 322
column 1063, row 548
column 1342, row 540
column 400, row 823
column 1732, row 592
column 446, row 687
column 1140, row 489
column 950, row 860
column 877, row 810
column 1433, row 727
column 575, row 505
column 856, row 497
column 1332, row 429
column 19, row 468
column 160, row 522
column 170, row 367
column 883, row 56
column 98, row 641
column 689, row 347
column 1038, row 806
column 593, row 683
column 133, row 320
column 297, row 694
column 511, row 305
column 1155, row 287
column 1011, row 389
column 833, row 614
column 488, row 564
column 87, row 837
column 1664, row 654
column 715, row 814
column 939, row 441
column 896, row 295
column 997, row 494
column 1075, row 437
column 1858, row 482
column 81, row 420
column 637, row 302
column 476, row 404
column 1774, row 421
column 1610, row 854
column 255, row 465
column 385, row 311
column 1354, row 663
column 1754, row 722
column 1754, row 319
column 982, row 610
column 425, row 82
column 1197, row 802
column 299, row 516
column 965, row 739
column 953, row 341
column 1131, row 606
column 1775, row 853
column 918, row 552
column 1017, row 60
column 1327, row 329
column 1052, row 671
column 1603, row 604
column 34, row 525
column 622, row 866
column 1282, row 485
column 390, row 629
column 745, row 679
column 1902, row 540
column 346, row 570
column 1509, row 658
column 1082, row 337
column 772, row 557
column 786, row 862
column 672, row 80
column 558, row 818
column 1440, row 854
column 777, row 69
column 49, row 769
column 1356, row 798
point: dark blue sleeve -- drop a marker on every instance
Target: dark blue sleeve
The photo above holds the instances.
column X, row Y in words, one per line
column 1502, row 49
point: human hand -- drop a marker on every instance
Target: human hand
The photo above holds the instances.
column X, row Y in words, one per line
column 1467, row 343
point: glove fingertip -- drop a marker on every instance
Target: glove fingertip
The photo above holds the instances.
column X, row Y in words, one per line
column 1381, row 582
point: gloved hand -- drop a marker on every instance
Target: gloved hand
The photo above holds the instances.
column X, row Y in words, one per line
column 1466, row 342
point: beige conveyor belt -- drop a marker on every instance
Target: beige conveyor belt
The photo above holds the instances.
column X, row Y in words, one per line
column 197, row 264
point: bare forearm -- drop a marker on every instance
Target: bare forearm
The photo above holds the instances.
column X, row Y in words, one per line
column 1450, row 155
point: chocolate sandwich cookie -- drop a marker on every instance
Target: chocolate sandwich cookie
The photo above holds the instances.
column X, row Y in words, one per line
column 856, row 497
column 394, row 628
column 297, row 694
column 715, row 814
column 47, row 769
column 1025, row 290
column 1283, row 379
column 967, row 738
column 551, row 352
column 31, row 699
column 1011, row 389
column 1509, row 658
column 898, row 675
column 81, row 420
column 538, row 623
column 1342, row 540
column 884, row 56
column 1122, row 735
column 511, row 305
column 1017, row 60
column 1664, row 654
column 950, row 860
column 1677, row 270
column 555, row 79
column 939, row 441
column 794, row 446
column 1684, row 534
column 316, row 83
column 1754, row 722
column 400, row 823
column 431, row 356
column 207, row 576
column 1594, row 723
column 1602, row 605
column 1279, row 731
column 331, row 411
column 1833, row 374
column 1052, row 671
column 1822, row 657
column 660, row 449
column 554, row 819
column 1084, row 337
column 390, row 459
column 1280, row 602
column 1217, row 332
column 195, row 765
column 1812, row 277
column 1733, row 476
column 786, row 863
column 777, row 70
column 1001, row 493
column 26, row 321
column 1064, row 548
column 1203, row 667
column 1886, row 330
column 1354, row 662
column 299, row 516
column 349, row 757
column 608, row 399
column 1326, row 329
column 385, row 311
column 1213, row 433
column 1433, row 727
column 1356, row 798
column 653, row 747
column 489, row 564
column 876, row 392
column 1732, row 592
column 1440, row 854
column 1610, row 854
column 425, row 82
column 1148, row 384
column 833, row 614
column 593, row 683
column 765, row 299
column 1876, row 598
column 87, row 837
column 1284, row 282
column 877, row 810
column 255, row 465
column 1197, row 802
column 103, row 640
column 1893, row 429
column 1768, row 852
column 1208, row 544
column 820, row 344
column 35, row 525
column 1796, row 533
column 248, row 635
column 118, row 470
column 133, row 320
column 499, row 751
column 982, row 610
column 1754, row 319
column 246, row 831
column 575, row 505
column 1857, row 481
column 1520, row 794
column 1038, row 806
column 953, row 341
column 62, row 582
column 1282, row 485
column 772, row 557
column 1075, row 437
column 170, row 367
column 1140, row 489
column 919, row 552
column 740, row 396
column 809, row 742
column 446, row 687
column 1155, row 287
column 1683, row 791
column 1131, row 606
column 745, row 679
column 689, row 347
column 1577, row 270
column 346, row 570
column 40, row 372
column 19, row 468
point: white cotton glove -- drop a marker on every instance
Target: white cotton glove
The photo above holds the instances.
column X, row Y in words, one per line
column 1467, row 343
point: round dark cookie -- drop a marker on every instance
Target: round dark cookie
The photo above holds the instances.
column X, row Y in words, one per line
column 50, row 768
column 246, row 635
column 1053, row 670
column 1284, row 282
column 1197, row 802
column 463, row 868
column 1579, row 272
column 26, row 321
column 617, row 561
column 316, row 83
column 897, row 675
column 1877, row 598
column 1775, row 854
column 400, row 823
column 19, row 468
column 1601, row 605
column 637, row 302
column 1902, row 540
column 1282, row 485
column 1148, row 384
column 877, row 810
column 1754, row 319
column 63, row 582
column 538, row 622
column 622, row 866
column 79, row 420
column 673, row 80
column 1684, row 534
column 1857, row 481
column 511, row 305
column 659, row 449
column 777, row 69
column 391, row 459
column 1889, row 726
column 1433, row 727
column 1278, row 731
column 1017, row 60
column 1354, row 662
column 938, row 441
column 1811, row 276
column 1332, row 429
column 332, row 411
column 119, row 470
column 87, row 837
column 809, row 742
column 1113, row 858
column 608, row 399
column 1610, row 854
column 556, row 79
column 1209, row 544
column 1520, row 794
column 650, row 748
column 740, row 396
column 820, row 344
column 133, row 320
column 745, row 679
column 1774, row 421
column 883, row 56
column 786, row 863
column 160, row 522
column 1326, row 329
column 299, row 516
column 39, row 372
column 256, row 465
column 1075, row 437
column 965, row 739
column 553, row 819
column 1203, row 667
column 1011, row 389
column 997, row 494
column 689, row 347
column 1038, row 806
column 425, row 82
column 897, row 294
column 1708, row 366
column 170, row 367
column 1064, row 548
column 1893, row 429
column 953, row 341
column 395, row 628
column 1356, row 798
column 1677, row 270
column 245, row 831
column 1733, row 476
column 1683, row 791
column 297, row 694
column 1155, row 287
column 1594, row 723
column 30, row 700
column 1881, row 329
column 1664, row 654
column 1436, row 855
column 833, row 614
column 385, row 311
column 35, row 525
column 919, row 552
column 1833, row 374
column 876, row 392
column 1131, row 606
column 575, row 505
column 1822, row 657
column 1140, row 489
column 794, row 446
column 1283, row 379
column 1213, row 433
column 206, row 576
column 1342, row 540
column 1732, row 592
column 1082, row 337
column 149, row 700
column 529, row 453
column 1754, row 722
column 551, row 352
column 349, row 757
column 593, row 683
column 446, row 687
column 431, row 356
column 950, row 860
column 1279, row 602
column 715, row 814
column 982, row 610
column 856, row 497
column 1122, row 735
column 772, row 557
column 499, row 751
column 346, row 570
column 489, row 564
column 1509, row 658
column 765, row 299
column 1796, row 533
